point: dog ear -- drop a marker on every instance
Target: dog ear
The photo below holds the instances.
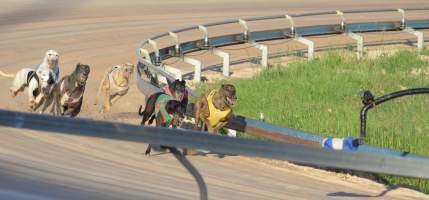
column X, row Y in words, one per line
column 169, row 83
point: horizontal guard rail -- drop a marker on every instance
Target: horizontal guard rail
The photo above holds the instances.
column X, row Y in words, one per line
column 361, row 161
column 250, row 19
column 257, row 36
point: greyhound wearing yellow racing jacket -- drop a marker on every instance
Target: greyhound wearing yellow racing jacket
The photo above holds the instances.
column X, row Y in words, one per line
column 215, row 108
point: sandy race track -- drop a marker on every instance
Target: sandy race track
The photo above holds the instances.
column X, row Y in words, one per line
column 103, row 33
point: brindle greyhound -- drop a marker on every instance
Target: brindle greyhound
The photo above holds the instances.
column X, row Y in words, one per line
column 67, row 95
column 213, row 110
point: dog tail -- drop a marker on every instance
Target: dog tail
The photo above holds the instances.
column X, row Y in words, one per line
column 140, row 111
column 7, row 75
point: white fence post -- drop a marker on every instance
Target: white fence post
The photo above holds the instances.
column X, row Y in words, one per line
column 197, row 67
column 310, row 45
column 359, row 43
column 264, row 53
column 420, row 37
column 155, row 48
column 145, row 55
column 225, row 56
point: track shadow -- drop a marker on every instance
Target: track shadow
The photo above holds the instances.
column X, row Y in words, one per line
column 156, row 154
column 384, row 192
column 197, row 153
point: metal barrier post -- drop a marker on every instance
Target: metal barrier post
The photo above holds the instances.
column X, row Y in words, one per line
column 197, row 69
column 292, row 25
column 155, row 48
column 359, row 43
column 246, row 29
column 264, row 53
column 225, row 56
column 310, row 45
column 206, row 35
column 343, row 21
column 420, row 37
column 176, row 42
column 403, row 20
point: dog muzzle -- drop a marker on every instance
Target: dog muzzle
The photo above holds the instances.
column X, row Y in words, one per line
column 231, row 101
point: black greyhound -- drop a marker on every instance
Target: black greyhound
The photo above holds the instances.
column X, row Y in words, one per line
column 166, row 112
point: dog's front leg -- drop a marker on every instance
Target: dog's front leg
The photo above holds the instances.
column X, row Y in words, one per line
column 115, row 99
column 74, row 111
column 107, row 102
column 197, row 114
column 57, row 105
column 219, row 126
column 46, row 104
column 31, row 103
column 68, row 112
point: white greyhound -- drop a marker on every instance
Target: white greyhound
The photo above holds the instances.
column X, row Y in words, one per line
column 39, row 85
column 40, row 81
column 50, row 61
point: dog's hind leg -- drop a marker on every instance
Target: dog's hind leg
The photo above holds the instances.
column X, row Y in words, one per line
column 56, row 108
column 19, row 82
column 149, row 109
column 151, row 119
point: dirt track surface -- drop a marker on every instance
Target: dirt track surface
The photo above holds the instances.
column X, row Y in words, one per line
column 103, row 33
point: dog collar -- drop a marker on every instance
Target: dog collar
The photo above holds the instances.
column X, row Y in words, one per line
column 169, row 93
